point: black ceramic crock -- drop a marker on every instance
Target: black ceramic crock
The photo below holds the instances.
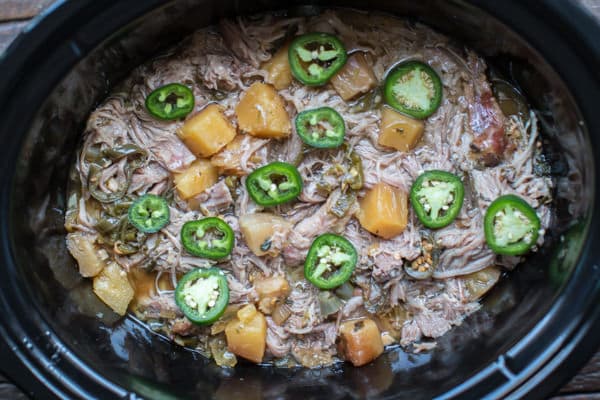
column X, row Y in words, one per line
column 534, row 331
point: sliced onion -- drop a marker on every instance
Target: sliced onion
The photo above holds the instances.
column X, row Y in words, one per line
column 345, row 291
column 329, row 303
column 281, row 313
column 221, row 323
column 392, row 320
column 223, row 357
column 510, row 100
column 479, row 283
column 312, row 358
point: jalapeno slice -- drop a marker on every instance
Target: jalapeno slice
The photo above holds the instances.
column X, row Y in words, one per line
column 172, row 101
column 273, row 184
column 511, row 226
column 437, row 197
column 315, row 57
column 209, row 238
column 330, row 261
column 323, row 127
column 202, row 294
column 413, row 88
column 149, row 213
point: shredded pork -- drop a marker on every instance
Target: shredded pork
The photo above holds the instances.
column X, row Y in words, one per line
column 468, row 135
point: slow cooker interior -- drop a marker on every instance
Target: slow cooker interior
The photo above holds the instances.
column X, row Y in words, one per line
column 132, row 357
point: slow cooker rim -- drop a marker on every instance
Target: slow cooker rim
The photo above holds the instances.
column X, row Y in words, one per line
column 30, row 359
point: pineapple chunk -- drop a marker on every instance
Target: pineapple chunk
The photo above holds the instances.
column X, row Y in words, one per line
column 258, row 230
column 198, row 177
column 261, row 112
column 82, row 248
column 271, row 291
column 274, row 286
column 360, row 341
column 207, row 132
column 399, row 131
column 384, row 211
column 355, row 78
column 113, row 288
column 246, row 335
column 279, row 73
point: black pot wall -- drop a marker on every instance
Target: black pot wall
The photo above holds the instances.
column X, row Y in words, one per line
column 59, row 339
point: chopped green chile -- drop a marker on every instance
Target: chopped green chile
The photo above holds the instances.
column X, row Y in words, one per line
column 344, row 202
column 209, row 237
column 315, row 57
column 117, row 231
column 413, row 88
column 94, row 154
column 321, row 127
column 348, row 173
column 94, row 186
column 122, row 235
column 202, row 294
column 125, row 249
column 511, row 226
column 232, row 183
column 172, row 101
column 127, row 150
column 437, row 197
column 356, row 179
column 273, row 184
column 330, row 261
column 102, row 159
column 107, row 225
column 118, row 208
column 149, row 213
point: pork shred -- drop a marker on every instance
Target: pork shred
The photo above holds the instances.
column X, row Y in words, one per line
column 468, row 135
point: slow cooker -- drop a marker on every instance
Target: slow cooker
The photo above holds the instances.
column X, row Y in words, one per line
column 533, row 332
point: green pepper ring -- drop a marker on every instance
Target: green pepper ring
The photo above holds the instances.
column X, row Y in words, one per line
column 521, row 205
column 189, row 242
column 217, row 310
column 156, row 107
column 155, row 204
column 453, row 210
column 275, row 168
column 401, row 70
column 298, row 70
column 322, row 113
column 344, row 271
column 564, row 257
